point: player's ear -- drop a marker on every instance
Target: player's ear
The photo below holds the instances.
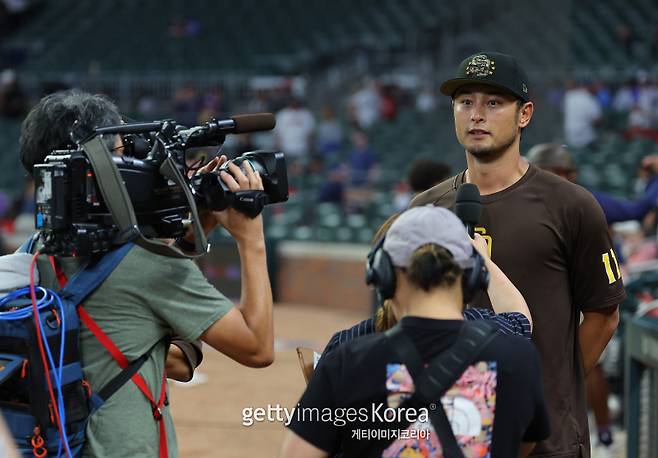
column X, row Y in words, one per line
column 525, row 114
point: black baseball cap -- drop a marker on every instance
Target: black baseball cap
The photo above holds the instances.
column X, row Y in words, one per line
column 493, row 69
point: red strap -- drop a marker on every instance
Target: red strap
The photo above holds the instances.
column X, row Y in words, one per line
column 122, row 361
column 164, row 452
column 137, row 379
column 118, row 356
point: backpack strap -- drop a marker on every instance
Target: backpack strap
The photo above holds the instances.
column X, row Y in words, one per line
column 91, row 275
column 442, row 372
column 76, row 290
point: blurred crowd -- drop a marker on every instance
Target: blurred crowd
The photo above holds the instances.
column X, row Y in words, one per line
column 330, row 147
column 592, row 107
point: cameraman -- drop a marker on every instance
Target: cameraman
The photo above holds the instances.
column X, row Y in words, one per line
column 148, row 296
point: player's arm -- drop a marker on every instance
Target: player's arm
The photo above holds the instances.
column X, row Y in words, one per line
column 503, row 294
column 595, row 276
column 595, row 332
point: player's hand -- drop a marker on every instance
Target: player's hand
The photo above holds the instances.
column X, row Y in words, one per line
column 480, row 245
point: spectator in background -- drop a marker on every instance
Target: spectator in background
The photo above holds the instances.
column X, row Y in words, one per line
column 603, row 94
column 626, row 96
column 647, row 96
column 389, row 103
column 330, row 133
column 365, row 105
column 186, row 104
column 426, row 100
column 618, row 210
column 148, row 106
column 333, row 189
column 639, row 123
column 213, row 104
column 362, row 160
column 582, row 113
column 13, row 103
column 423, row 174
column 295, row 126
column 426, row 173
column 260, row 102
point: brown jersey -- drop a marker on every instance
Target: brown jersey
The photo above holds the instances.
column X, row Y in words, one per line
column 550, row 238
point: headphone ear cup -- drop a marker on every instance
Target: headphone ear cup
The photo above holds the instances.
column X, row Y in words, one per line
column 383, row 274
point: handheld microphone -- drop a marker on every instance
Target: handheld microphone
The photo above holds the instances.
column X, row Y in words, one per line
column 468, row 206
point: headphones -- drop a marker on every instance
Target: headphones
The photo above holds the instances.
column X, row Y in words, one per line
column 380, row 273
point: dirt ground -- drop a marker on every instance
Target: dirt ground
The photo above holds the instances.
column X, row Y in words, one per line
column 208, row 411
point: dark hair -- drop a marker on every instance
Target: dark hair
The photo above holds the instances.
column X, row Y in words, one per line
column 425, row 173
column 431, row 266
column 48, row 125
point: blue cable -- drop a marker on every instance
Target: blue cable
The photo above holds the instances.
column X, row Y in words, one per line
column 57, row 371
column 46, row 300
column 25, row 312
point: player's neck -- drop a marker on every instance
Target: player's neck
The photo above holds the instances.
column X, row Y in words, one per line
column 494, row 176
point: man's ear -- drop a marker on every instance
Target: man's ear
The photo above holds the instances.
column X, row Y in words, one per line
column 525, row 114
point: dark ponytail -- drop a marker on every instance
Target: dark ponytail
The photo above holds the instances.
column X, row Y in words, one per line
column 432, row 265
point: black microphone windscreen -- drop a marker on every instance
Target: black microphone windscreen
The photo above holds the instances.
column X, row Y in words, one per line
column 468, row 204
column 253, row 122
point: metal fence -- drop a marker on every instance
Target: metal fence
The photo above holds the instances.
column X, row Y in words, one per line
column 641, row 387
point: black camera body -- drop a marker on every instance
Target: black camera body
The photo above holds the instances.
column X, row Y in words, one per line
column 74, row 218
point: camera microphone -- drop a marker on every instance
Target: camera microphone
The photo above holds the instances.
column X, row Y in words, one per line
column 468, row 206
column 213, row 132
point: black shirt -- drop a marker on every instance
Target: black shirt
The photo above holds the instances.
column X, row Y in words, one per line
column 496, row 404
column 512, row 323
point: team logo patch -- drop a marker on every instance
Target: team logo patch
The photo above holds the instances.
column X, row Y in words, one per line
column 480, row 66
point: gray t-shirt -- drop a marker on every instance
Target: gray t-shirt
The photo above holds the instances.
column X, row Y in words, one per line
column 145, row 298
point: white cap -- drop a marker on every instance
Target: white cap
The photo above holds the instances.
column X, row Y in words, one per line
column 428, row 224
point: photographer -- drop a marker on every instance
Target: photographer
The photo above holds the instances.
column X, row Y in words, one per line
column 148, row 297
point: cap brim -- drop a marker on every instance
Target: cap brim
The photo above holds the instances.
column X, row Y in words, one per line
column 450, row 87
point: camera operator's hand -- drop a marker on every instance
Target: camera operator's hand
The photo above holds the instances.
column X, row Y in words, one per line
column 236, row 223
column 240, row 226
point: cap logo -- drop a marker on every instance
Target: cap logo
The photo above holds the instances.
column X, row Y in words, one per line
column 525, row 88
column 480, row 66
